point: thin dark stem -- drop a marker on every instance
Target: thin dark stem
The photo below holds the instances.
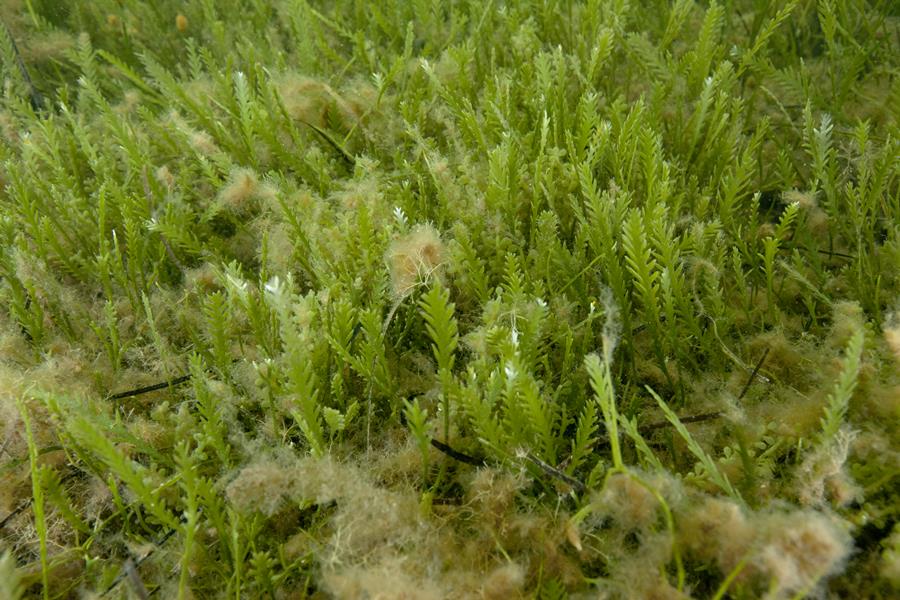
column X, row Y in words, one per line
column 554, row 472
column 150, row 388
column 754, row 373
column 35, row 97
column 456, row 454
column 131, row 566
column 348, row 158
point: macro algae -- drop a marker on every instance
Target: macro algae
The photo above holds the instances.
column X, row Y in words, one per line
column 449, row 299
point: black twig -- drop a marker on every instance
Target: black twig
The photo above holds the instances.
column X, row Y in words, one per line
column 754, row 373
column 15, row 512
column 35, row 97
column 333, row 143
column 5, row 444
column 830, row 253
column 449, row 450
column 131, row 566
column 150, row 388
column 456, row 454
column 554, row 472
column 691, row 419
column 25, row 504
column 134, row 580
column 604, row 438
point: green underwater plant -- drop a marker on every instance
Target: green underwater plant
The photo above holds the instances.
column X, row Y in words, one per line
column 524, row 298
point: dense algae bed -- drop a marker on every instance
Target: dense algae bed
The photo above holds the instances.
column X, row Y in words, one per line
column 449, row 299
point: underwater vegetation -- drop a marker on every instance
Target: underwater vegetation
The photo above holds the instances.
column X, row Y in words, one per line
column 425, row 299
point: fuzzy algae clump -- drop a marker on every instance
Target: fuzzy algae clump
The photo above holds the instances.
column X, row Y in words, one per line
column 449, row 300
